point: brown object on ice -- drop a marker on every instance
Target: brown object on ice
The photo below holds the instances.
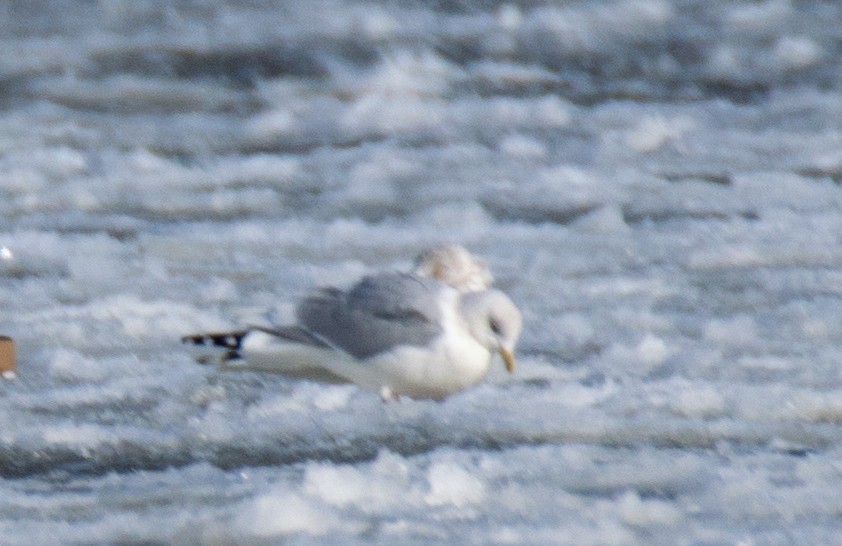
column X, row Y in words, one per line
column 7, row 356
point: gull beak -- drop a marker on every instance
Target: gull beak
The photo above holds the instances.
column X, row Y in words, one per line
column 508, row 359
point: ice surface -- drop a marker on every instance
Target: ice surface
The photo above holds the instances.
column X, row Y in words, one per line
column 655, row 183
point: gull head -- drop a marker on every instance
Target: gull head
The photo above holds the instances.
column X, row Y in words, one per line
column 494, row 321
column 455, row 266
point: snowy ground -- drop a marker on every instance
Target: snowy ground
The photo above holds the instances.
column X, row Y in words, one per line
column 655, row 183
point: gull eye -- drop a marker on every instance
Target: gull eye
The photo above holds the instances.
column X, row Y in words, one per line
column 495, row 326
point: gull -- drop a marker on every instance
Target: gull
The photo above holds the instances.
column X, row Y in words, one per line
column 400, row 334
column 455, row 266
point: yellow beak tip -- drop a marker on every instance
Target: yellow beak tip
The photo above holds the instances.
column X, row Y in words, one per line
column 509, row 360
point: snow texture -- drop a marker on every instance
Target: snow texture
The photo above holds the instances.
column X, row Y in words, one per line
column 655, row 183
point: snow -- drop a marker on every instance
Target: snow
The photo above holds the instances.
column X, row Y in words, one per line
column 452, row 484
column 656, row 184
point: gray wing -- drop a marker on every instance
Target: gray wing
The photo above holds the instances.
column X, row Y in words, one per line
column 292, row 333
column 377, row 314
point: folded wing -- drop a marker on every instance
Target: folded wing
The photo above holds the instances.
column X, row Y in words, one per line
column 376, row 315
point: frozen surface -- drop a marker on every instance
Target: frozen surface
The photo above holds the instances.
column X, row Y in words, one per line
column 656, row 183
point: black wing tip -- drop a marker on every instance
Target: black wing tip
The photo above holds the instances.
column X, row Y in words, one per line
column 229, row 343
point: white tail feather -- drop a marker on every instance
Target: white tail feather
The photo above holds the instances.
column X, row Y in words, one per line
column 261, row 350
